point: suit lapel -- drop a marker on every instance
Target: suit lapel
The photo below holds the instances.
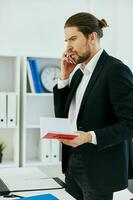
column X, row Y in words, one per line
column 94, row 77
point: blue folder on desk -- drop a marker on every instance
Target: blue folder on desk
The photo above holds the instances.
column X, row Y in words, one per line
column 41, row 197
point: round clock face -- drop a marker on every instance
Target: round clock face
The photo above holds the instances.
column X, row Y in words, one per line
column 49, row 77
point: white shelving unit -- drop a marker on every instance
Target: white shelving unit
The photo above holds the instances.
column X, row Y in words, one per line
column 9, row 104
column 34, row 106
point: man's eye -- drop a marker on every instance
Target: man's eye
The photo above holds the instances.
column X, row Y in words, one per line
column 73, row 39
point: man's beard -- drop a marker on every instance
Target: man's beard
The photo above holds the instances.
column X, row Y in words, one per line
column 83, row 58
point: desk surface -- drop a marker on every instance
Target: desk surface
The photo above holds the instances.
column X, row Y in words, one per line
column 123, row 194
column 61, row 193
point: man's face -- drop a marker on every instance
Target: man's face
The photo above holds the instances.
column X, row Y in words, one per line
column 78, row 44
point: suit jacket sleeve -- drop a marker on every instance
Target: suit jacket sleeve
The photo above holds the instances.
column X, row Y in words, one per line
column 120, row 87
column 60, row 97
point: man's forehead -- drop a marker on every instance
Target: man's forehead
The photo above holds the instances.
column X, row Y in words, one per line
column 72, row 29
column 71, row 32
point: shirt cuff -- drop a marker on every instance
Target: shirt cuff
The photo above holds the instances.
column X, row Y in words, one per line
column 62, row 83
column 94, row 139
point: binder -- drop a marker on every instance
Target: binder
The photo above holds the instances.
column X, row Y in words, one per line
column 55, row 147
column 11, row 110
column 46, row 151
column 36, row 68
column 35, row 75
column 2, row 109
column 30, row 78
column 41, row 197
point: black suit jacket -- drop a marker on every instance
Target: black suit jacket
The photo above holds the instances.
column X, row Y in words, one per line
column 107, row 109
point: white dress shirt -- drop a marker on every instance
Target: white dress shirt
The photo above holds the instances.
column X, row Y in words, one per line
column 77, row 99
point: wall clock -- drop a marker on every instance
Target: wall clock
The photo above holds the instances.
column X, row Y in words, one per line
column 49, row 76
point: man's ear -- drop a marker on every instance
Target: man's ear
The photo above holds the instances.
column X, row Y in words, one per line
column 92, row 37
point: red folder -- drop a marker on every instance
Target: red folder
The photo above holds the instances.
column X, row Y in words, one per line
column 53, row 135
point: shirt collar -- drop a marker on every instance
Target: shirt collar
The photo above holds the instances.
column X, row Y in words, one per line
column 89, row 68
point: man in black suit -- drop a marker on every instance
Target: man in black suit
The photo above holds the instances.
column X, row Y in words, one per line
column 95, row 91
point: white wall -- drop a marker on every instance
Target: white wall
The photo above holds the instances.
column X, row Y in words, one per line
column 35, row 27
column 118, row 37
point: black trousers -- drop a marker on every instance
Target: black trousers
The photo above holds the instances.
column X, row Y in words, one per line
column 77, row 182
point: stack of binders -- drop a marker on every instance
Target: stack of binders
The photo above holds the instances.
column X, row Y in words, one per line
column 8, row 110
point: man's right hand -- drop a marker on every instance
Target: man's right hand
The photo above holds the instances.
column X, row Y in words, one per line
column 67, row 64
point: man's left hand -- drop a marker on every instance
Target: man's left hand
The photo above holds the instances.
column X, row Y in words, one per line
column 84, row 137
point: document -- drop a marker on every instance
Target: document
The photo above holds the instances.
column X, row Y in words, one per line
column 57, row 128
column 27, row 179
column 32, row 184
column 21, row 173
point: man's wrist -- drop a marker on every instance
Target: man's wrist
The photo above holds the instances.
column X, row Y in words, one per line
column 63, row 77
column 89, row 137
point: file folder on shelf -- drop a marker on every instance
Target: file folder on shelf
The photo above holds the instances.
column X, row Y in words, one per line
column 2, row 109
column 46, row 151
column 33, row 64
column 41, row 197
column 55, row 149
column 30, row 78
column 11, row 110
column 56, row 128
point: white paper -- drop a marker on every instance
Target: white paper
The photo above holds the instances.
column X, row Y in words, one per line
column 21, row 173
column 34, row 184
column 55, row 125
column 123, row 194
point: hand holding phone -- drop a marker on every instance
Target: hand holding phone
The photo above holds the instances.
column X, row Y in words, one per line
column 70, row 59
column 68, row 63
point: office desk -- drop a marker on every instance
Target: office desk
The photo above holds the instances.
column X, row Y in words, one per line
column 23, row 176
column 56, row 170
column 59, row 193
column 62, row 195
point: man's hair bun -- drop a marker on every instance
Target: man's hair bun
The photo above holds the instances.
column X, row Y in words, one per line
column 103, row 23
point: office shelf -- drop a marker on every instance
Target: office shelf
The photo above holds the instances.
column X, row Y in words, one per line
column 9, row 109
column 34, row 106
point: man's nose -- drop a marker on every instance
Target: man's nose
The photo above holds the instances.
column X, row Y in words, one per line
column 69, row 48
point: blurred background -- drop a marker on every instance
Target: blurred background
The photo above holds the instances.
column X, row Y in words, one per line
column 35, row 27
